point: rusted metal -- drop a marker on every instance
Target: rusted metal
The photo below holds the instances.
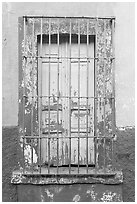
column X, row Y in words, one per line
column 81, row 97
column 49, row 101
column 58, row 103
column 40, row 94
column 78, row 91
column 32, row 106
column 104, row 93
column 113, row 89
column 37, row 136
column 69, row 132
column 95, row 99
column 87, row 92
column 69, row 17
column 72, row 58
column 24, row 85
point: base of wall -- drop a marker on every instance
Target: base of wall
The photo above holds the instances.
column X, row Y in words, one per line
column 69, row 193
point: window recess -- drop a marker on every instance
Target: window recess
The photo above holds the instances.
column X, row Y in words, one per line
column 67, row 95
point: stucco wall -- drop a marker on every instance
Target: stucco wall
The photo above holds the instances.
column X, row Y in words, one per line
column 124, row 51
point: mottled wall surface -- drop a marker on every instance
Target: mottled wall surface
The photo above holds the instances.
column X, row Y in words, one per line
column 9, row 163
column 70, row 193
column 124, row 49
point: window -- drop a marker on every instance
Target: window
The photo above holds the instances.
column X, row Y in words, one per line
column 67, row 97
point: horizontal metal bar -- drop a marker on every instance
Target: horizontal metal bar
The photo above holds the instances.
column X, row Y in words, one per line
column 67, row 137
column 72, row 109
column 55, row 132
column 70, row 58
column 44, row 62
column 70, row 17
column 25, row 96
column 98, row 174
column 67, row 165
column 72, row 61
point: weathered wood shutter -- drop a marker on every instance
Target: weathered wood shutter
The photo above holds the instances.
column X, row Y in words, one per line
column 68, row 114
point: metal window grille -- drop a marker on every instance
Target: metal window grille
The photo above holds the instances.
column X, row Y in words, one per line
column 67, row 95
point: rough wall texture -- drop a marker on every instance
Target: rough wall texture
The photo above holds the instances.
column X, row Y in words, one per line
column 124, row 49
column 9, row 161
column 70, row 193
column 124, row 157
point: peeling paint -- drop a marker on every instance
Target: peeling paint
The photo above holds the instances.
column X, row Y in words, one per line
column 92, row 193
column 109, row 196
column 49, row 194
column 42, row 198
column 28, row 154
column 76, row 198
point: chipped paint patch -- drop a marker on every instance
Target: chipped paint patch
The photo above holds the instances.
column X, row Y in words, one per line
column 42, row 198
column 49, row 194
column 76, row 198
column 108, row 196
column 28, row 154
column 92, row 194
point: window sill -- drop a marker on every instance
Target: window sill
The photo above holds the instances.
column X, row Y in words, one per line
column 115, row 177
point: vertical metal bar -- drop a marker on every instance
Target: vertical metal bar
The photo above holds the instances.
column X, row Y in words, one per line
column 87, row 92
column 70, row 99
column 66, row 84
column 62, row 92
column 49, row 100
column 78, row 91
column 113, row 86
column 104, row 93
column 58, row 104
column 40, row 94
column 95, row 98
column 32, row 106
column 24, row 80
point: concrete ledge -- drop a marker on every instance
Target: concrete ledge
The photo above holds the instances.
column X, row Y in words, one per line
column 20, row 178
